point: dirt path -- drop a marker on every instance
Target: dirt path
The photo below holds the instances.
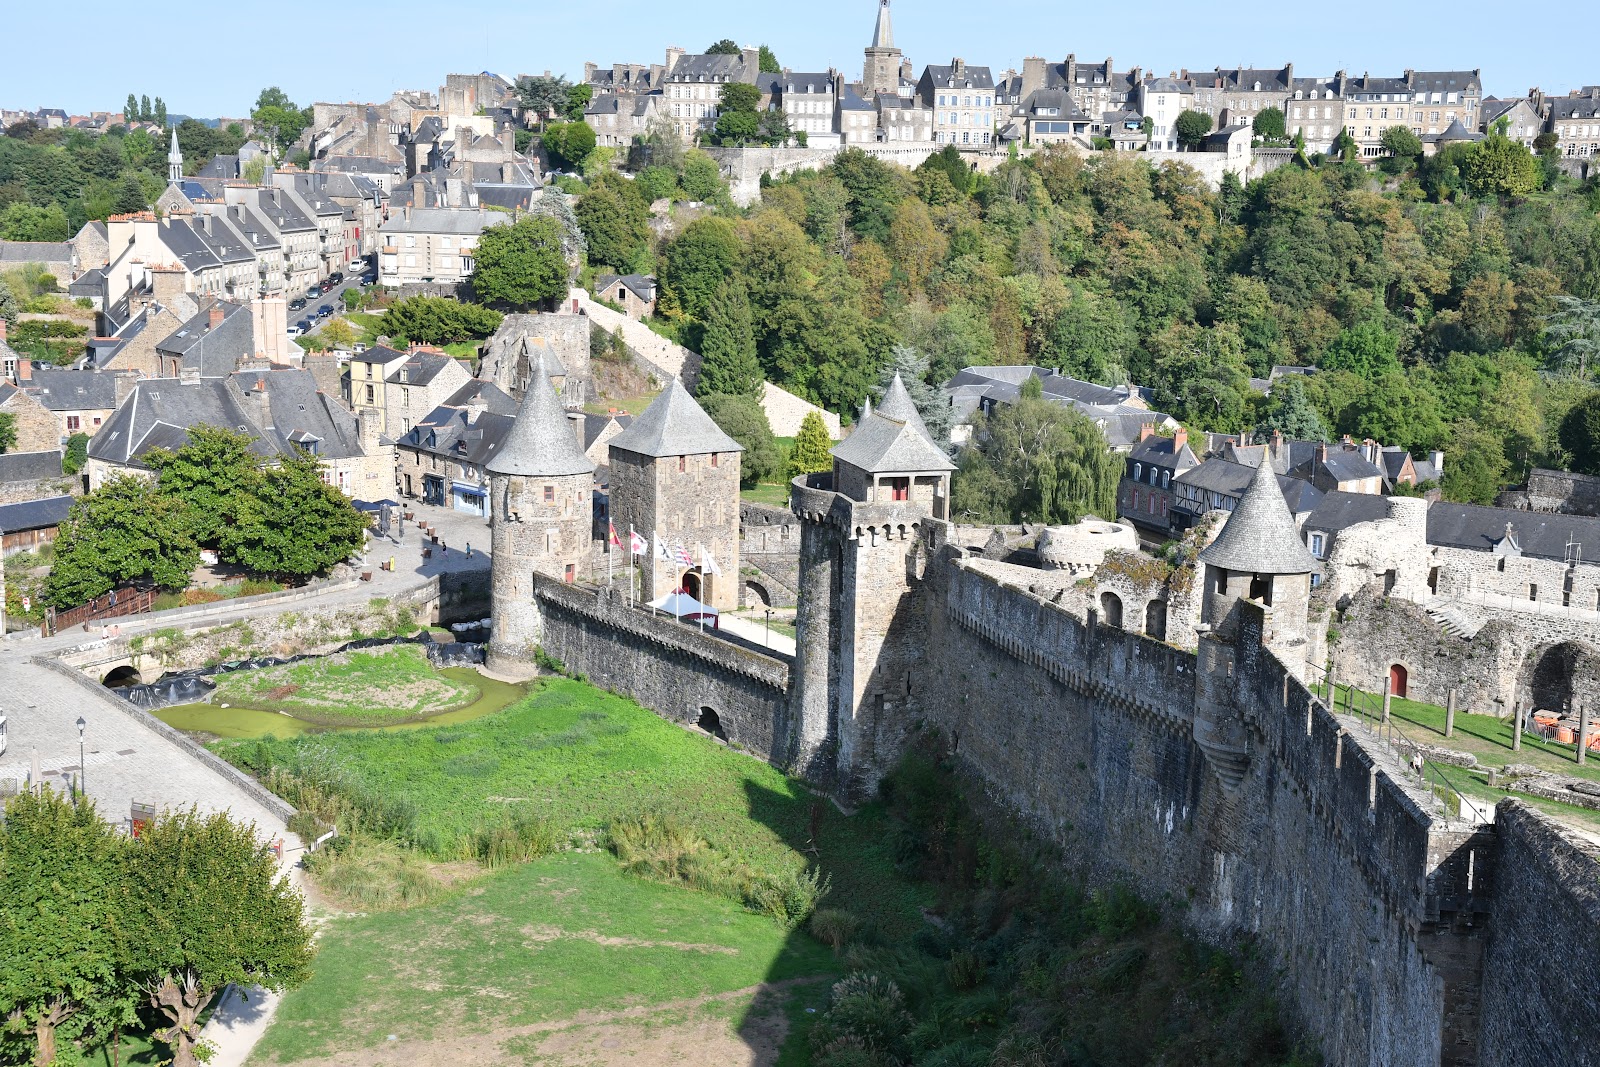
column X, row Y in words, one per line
column 708, row 1031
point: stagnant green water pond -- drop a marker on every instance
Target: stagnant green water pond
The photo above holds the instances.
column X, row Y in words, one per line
column 237, row 721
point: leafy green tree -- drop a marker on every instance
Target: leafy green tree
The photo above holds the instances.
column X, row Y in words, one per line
column 76, row 456
column 1290, row 412
column 695, row 264
column 741, row 418
column 146, row 112
column 702, row 179
column 523, row 264
column 578, row 98
column 1478, row 467
column 773, row 128
column 1580, row 435
column 1200, row 376
column 1401, row 143
column 728, row 363
column 813, row 448
column 26, row 222
column 160, row 113
column 615, row 219
column 210, row 475
column 9, row 308
column 1036, row 461
column 737, row 120
column 130, row 110
column 767, row 62
column 1574, row 331
column 8, row 431
column 1191, row 128
column 295, row 525
column 1345, row 147
column 59, row 908
column 657, row 182
column 724, row 47
column 277, row 119
column 206, row 908
column 437, row 320
column 125, row 531
column 568, row 143
column 543, row 94
column 1269, row 125
column 1366, row 350
column 1499, row 166
column 873, row 189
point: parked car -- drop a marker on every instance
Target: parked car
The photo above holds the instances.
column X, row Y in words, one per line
column 337, row 277
column 295, row 330
column 324, row 311
column 326, row 289
column 305, row 325
column 297, row 303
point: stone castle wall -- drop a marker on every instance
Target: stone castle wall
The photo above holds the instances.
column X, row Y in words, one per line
column 670, row 668
column 1326, row 851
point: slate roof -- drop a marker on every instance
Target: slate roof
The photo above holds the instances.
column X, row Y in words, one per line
column 643, row 286
column 494, row 398
column 213, row 350
column 1347, row 465
column 1339, row 510
column 707, row 68
column 674, row 425
column 1243, row 79
column 1446, row 81
column 1583, row 106
column 1538, row 534
column 541, row 442
column 35, row 252
column 74, row 390
column 445, row 220
column 1041, row 102
column 897, row 404
column 1259, row 536
column 1158, row 451
column 881, row 444
column 422, row 367
column 945, row 77
column 595, row 425
column 29, row 466
column 34, row 514
column 1457, row 132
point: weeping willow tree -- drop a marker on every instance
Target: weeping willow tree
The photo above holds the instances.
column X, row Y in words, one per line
column 1036, row 461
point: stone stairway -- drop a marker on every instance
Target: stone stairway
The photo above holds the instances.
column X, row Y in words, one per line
column 1455, row 618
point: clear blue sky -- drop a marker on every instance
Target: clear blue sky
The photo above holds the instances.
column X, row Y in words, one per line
column 212, row 61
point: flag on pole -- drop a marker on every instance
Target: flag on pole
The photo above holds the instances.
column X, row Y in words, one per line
column 708, row 562
column 611, row 534
column 636, row 543
column 680, row 556
column 661, row 552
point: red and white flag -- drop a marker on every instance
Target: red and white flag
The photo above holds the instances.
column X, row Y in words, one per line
column 681, row 557
column 611, row 533
column 636, row 543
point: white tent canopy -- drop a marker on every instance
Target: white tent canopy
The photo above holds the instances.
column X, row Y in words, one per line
column 684, row 606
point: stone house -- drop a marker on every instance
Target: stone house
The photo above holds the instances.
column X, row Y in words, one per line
column 596, row 433
column 299, row 235
column 623, row 78
column 432, row 244
column 857, row 119
column 1145, row 494
column 32, row 475
column 280, row 409
column 634, row 293
column 1239, row 95
column 412, row 387
column 213, row 343
column 1219, row 484
column 29, row 524
column 562, row 336
column 808, row 103
column 1523, row 119
column 1162, row 100
column 367, row 384
column 38, row 429
column 1052, row 116
column 10, row 359
column 692, row 87
column 675, row 480
column 1426, row 102
column 1575, row 120
column 440, row 460
column 902, row 119
column 1315, row 111
column 620, row 119
column 1336, row 512
column 962, row 100
column 90, row 249
column 80, row 401
column 360, row 199
column 890, row 457
column 1097, row 88
column 56, row 257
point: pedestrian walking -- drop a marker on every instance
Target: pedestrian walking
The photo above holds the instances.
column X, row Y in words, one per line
column 469, row 549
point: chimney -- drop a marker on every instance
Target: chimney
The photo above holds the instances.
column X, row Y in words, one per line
column 24, row 367
column 189, row 376
column 1033, row 74
column 1369, row 448
column 2, row 329
column 124, row 386
column 1180, row 437
column 1436, row 457
column 263, row 404
column 1145, row 430
column 214, row 318
column 1322, row 452
column 367, row 428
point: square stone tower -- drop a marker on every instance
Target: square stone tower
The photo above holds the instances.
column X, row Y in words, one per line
column 675, row 478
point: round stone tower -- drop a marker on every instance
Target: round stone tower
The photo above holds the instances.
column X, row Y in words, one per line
column 1259, row 557
column 541, row 492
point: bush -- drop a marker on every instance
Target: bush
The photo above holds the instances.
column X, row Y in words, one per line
column 834, row 927
column 867, row 1013
column 524, row 835
column 373, row 875
column 192, row 597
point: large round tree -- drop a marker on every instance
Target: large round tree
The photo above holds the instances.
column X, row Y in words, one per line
column 521, row 265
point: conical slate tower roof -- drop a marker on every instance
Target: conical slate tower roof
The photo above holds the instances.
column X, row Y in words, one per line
column 897, row 404
column 883, row 32
column 674, row 425
column 541, row 442
column 1260, row 537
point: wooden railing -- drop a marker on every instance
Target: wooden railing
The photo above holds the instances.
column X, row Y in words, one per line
column 118, row 602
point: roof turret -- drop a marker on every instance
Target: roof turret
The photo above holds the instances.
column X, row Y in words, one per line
column 541, row 442
column 897, row 404
column 1259, row 536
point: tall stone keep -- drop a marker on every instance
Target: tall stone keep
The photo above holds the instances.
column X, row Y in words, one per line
column 675, row 481
column 1258, row 556
column 862, row 633
column 882, row 71
column 542, row 500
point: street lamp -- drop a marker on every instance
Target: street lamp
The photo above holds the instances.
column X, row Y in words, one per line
column 769, row 627
column 81, row 725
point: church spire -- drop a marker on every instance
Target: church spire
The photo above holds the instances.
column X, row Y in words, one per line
column 883, row 33
column 174, row 161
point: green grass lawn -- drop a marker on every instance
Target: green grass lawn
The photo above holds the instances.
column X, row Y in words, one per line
column 776, row 496
column 543, row 941
column 633, row 405
column 356, row 688
column 580, row 757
